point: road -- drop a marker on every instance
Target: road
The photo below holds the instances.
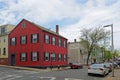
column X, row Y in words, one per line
column 69, row 74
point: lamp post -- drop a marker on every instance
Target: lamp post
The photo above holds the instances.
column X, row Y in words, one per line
column 112, row 48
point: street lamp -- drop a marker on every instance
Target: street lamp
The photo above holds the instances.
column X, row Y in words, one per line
column 112, row 48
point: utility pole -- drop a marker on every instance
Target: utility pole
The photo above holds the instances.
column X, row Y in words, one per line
column 112, row 48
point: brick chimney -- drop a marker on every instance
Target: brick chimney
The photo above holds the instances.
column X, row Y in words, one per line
column 57, row 29
column 75, row 40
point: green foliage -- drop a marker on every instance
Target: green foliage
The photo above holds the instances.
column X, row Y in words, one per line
column 116, row 53
column 107, row 55
column 91, row 37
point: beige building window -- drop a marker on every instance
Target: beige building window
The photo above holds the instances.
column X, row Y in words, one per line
column 4, row 51
column 0, row 51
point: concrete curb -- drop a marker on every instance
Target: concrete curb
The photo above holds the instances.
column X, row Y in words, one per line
column 116, row 73
column 35, row 69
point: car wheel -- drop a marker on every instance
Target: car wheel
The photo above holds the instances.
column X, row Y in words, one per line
column 104, row 74
column 88, row 73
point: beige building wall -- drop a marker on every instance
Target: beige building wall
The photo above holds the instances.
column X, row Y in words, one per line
column 4, row 32
column 4, row 46
column 75, row 53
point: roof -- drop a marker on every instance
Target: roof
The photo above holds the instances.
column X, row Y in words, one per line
column 7, row 25
column 45, row 29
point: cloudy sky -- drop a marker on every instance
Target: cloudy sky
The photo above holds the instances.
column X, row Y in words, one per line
column 70, row 15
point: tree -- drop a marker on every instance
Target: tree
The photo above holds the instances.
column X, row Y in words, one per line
column 108, row 55
column 116, row 54
column 91, row 37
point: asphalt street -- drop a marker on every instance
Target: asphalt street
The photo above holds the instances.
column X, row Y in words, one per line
column 69, row 74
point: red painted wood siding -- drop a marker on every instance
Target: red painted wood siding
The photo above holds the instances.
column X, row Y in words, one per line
column 29, row 47
column 41, row 47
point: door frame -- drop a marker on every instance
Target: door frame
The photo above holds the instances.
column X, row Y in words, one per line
column 12, row 59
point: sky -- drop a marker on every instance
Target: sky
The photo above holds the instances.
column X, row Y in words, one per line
column 71, row 15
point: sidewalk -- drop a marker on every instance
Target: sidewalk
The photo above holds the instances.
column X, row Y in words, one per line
column 35, row 69
column 116, row 75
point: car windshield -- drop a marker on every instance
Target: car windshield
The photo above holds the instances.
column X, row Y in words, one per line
column 97, row 65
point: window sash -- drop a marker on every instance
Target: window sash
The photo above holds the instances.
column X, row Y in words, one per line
column 3, row 30
column 34, row 38
column 47, row 39
column 65, row 57
column 23, row 25
column 34, row 56
column 23, row 56
column 47, row 56
column 60, row 43
column 53, row 40
column 64, row 44
column 53, row 56
column 23, row 39
column 13, row 41
column 4, row 51
column 60, row 57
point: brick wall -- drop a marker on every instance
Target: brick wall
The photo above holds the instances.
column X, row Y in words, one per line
column 4, row 61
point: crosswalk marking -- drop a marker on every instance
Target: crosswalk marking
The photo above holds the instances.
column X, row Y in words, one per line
column 9, row 77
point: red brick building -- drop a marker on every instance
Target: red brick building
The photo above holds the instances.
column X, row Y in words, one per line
column 35, row 46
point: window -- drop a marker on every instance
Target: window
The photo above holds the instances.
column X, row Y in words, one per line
column 4, row 40
column 53, row 40
column 34, row 38
column 23, row 25
column 47, row 56
column 23, row 57
column 64, row 44
column 13, row 41
column 47, row 39
column 23, row 40
column 34, row 56
column 4, row 51
column 59, row 43
column 3, row 30
column 53, row 56
column 59, row 57
column 65, row 58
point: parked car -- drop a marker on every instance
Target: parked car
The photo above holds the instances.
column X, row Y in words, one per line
column 98, row 69
column 76, row 66
column 118, row 63
column 115, row 64
column 109, row 66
